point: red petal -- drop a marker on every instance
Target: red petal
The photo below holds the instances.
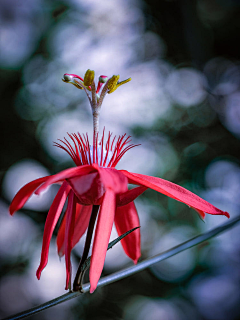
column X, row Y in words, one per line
column 88, row 188
column 83, row 214
column 174, row 191
column 65, row 174
column 70, row 220
column 101, row 238
column 61, row 237
column 24, row 194
column 112, row 179
column 126, row 218
column 52, row 218
column 81, row 223
column 200, row 213
column 127, row 197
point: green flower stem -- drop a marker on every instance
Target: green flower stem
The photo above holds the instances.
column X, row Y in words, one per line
column 131, row 270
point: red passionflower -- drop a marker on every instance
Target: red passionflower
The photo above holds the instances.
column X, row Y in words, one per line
column 95, row 183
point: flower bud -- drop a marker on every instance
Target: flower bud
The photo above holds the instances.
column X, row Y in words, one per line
column 67, row 77
column 103, row 79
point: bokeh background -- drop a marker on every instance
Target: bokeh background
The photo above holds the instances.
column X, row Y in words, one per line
column 182, row 105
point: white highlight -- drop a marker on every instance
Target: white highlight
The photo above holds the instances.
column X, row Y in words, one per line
column 101, row 154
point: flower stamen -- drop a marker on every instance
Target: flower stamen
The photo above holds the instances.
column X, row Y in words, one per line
column 88, row 78
column 106, row 86
column 112, row 83
column 105, row 156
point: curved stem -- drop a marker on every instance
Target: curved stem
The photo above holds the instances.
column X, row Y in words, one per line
column 77, row 284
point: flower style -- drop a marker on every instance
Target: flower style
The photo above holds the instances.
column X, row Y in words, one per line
column 96, row 191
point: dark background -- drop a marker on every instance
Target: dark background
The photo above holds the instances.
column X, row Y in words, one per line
column 182, row 105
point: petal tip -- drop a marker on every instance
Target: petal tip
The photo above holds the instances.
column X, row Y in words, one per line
column 13, row 208
column 60, row 253
column 227, row 214
column 137, row 257
column 92, row 288
column 38, row 273
column 68, row 283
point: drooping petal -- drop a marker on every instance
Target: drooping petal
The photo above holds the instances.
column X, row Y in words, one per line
column 61, row 237
column 65, row 174
column 70, row 220
column 126, row 218
column 81, row 223
column 130, row 195
column 112, row 179
column 174, row 191
column 82, row 217
column 52, row 218
column 102, row 236
column 24, row 194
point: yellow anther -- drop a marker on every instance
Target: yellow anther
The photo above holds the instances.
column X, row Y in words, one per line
column 112, row 83
column 88, row 78
column 77, row 86
column 74, row 83
column 77, row 83
column 124, row 81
